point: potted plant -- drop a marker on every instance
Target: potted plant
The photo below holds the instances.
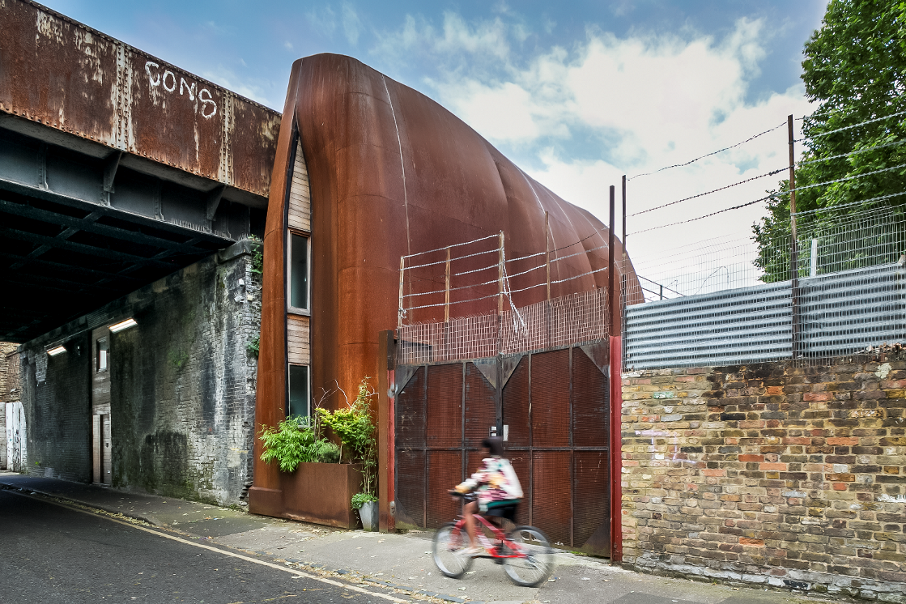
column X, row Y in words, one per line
column 355, row 428
column 297, row 440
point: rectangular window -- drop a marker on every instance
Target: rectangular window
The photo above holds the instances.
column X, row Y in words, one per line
column 101, row 346
column 298, row 272
column 298, row 391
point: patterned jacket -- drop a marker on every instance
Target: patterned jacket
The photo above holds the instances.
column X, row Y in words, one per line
column 495, row 480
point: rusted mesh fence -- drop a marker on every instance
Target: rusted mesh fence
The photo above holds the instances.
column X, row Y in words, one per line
column 573, row 319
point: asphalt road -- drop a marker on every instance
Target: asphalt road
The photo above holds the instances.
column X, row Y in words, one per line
column 50, row 553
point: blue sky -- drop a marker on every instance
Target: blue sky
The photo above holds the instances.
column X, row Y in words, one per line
column 576, row 93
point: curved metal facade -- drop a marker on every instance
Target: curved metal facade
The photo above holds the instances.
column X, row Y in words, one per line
column 392, row 173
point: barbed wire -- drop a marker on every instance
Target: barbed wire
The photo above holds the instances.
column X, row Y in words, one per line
column 697, row 195
column 871, row 121
column 851, row 153
column 850, row 204
column 452, row 289
column 845, row 178
column 451, row 303
column 452, row 245
column 664, row 226
column 691, row 161
column 478, row 270
column 451, row 259
column 754, row 201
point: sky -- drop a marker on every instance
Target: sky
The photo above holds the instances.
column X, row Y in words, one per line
column 577, row 94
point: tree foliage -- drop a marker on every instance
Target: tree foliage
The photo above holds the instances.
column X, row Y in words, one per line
column 855, row 68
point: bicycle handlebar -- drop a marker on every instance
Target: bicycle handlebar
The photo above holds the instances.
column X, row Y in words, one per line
column 470, row 496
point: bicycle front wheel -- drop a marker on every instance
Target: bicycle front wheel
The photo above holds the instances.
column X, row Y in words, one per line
column 449, row 543
column 536, row 560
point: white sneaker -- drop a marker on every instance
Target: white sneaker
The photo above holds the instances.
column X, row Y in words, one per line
column 472, row 551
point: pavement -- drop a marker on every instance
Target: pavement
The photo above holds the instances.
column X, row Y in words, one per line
column 401, row 561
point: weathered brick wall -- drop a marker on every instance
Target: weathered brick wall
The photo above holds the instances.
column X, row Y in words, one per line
column 58, row 412
column 182, row 386
column 769, row 474
column 9, row 370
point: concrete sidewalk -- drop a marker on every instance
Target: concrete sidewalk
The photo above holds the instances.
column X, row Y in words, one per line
column 401, row 560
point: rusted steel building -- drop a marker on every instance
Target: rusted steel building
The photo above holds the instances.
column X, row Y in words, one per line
column 368, row 171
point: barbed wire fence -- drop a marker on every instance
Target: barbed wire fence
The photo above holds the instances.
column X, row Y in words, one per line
column 714, row 302
column 829, row 283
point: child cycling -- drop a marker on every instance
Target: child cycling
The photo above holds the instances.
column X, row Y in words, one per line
column 496, row 485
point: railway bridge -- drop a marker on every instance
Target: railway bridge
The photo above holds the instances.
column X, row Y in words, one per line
column 116, row 168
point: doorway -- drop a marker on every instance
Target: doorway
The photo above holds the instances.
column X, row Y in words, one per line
column 101, row 446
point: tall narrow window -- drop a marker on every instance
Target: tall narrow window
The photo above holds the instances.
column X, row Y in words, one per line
column 298, row 391
column 101, row 346
column 298, row 272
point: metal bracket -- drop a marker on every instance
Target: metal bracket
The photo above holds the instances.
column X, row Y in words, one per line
column 42, row 166
column 111, row 164
column 213, row 201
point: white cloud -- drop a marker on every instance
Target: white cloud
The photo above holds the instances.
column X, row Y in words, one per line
column 485, row 39
column 230, row 80
column 646, row 102
column 323, row 20
column 352, row 25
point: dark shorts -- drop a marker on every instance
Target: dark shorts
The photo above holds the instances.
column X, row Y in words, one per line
column 503, row 509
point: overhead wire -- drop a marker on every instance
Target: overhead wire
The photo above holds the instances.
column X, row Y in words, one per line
column 692, row 161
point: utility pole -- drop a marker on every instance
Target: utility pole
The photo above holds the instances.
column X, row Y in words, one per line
column 794, row 243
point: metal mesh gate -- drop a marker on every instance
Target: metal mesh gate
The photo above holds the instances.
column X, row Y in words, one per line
column 553, row 409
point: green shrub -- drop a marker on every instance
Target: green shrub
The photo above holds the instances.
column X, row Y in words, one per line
column 356, row 430
column 296, row 440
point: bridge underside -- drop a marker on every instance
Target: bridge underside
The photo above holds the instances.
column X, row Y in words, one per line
column 82, row 225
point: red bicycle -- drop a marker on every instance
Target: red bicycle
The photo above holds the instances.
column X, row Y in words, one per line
column 524, row 552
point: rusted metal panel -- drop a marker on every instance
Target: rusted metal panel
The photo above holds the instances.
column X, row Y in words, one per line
column 252, row 145
column 174, row 117
column 57, row 72
column 60, row 73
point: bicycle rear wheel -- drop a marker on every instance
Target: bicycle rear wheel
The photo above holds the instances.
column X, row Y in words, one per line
column 449, row 542
column 538, row 563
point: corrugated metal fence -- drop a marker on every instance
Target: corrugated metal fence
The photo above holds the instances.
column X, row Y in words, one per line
column 839, row 314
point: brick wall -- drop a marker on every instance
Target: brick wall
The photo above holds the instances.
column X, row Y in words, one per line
column 9, row 370
column 182, row 386
column 771, row 474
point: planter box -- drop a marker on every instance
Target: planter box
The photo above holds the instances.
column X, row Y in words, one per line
column 320, row 493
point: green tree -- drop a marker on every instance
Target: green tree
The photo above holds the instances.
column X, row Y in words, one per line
column 855, row 68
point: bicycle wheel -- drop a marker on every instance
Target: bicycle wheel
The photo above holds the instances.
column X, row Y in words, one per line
column 449, row 542
column 538, row 563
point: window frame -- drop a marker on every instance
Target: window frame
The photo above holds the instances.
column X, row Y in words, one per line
column 289, row 367
column 289, row 273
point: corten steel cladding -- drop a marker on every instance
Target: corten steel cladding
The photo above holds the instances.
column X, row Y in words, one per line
column 392, row 173
column 565, row 471
column 266, row 495
column 57, row 72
